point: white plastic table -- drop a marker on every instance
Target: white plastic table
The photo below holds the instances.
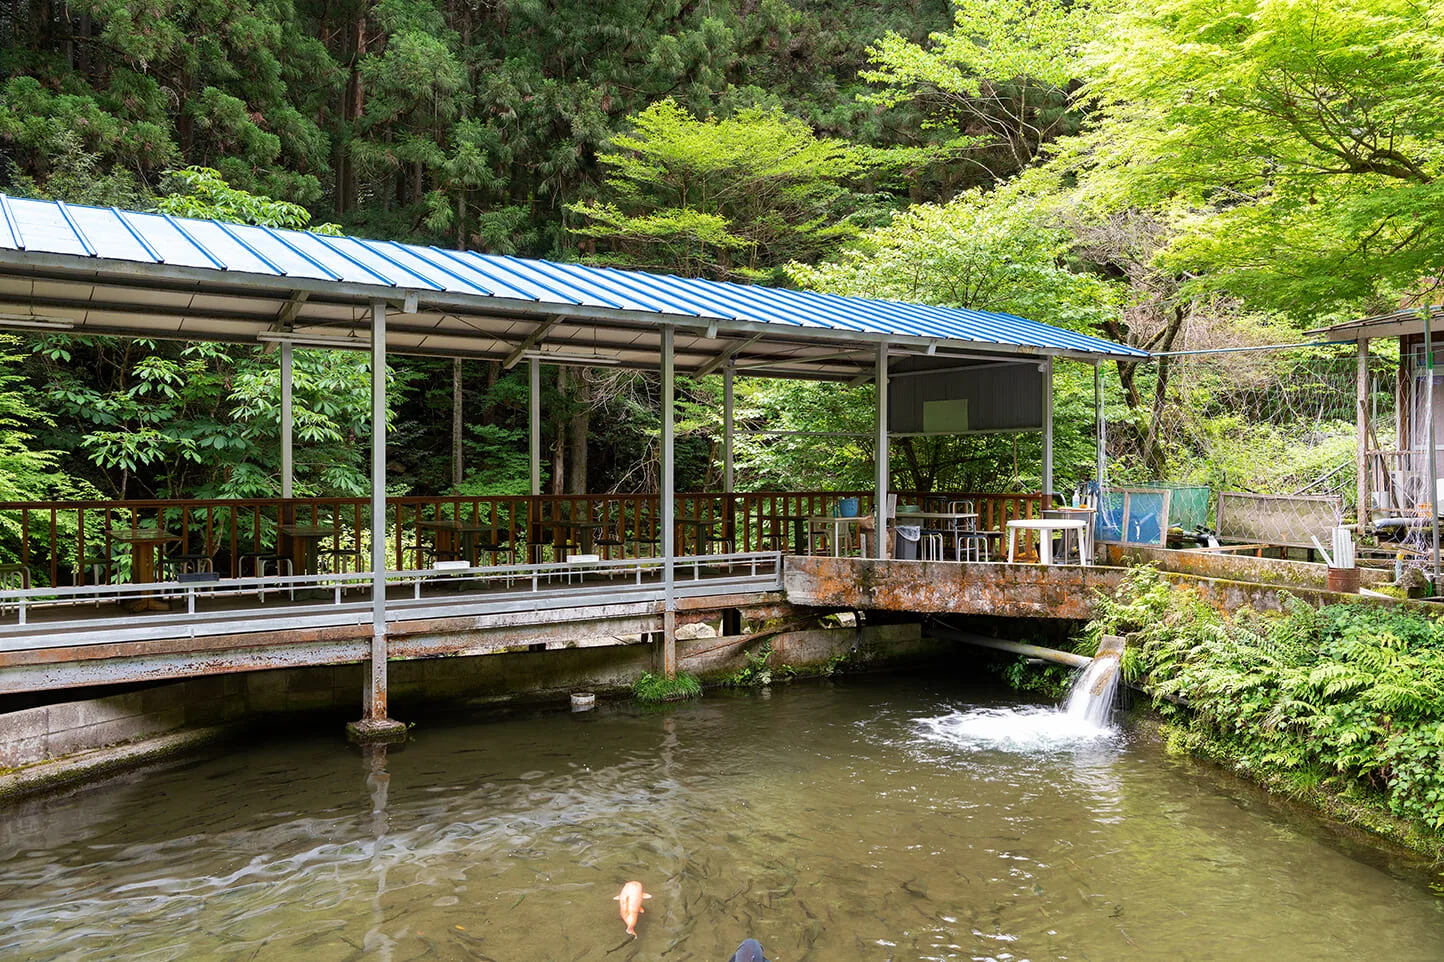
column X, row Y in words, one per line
column 1045, row 528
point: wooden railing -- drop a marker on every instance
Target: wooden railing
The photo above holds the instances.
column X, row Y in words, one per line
column 70, row 542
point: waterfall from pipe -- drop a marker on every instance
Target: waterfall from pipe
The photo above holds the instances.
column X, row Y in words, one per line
column 1091, row 700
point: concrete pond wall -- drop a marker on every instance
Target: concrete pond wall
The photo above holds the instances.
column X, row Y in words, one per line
column 51, row 745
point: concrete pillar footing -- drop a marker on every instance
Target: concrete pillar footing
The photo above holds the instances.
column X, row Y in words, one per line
column 377, row 731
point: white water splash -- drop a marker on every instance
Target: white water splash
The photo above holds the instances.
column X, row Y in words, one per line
column 1083, row 720
column 1022, row 730
column 1091, row 700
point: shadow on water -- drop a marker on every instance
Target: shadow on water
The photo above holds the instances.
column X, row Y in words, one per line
column 886, row 817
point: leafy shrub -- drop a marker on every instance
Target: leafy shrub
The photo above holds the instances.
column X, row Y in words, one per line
column 1049, row 680
column 758, row 672
column 1347, row 698
column 659, row 688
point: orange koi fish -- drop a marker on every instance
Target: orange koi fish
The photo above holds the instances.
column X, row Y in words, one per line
column 630, row 905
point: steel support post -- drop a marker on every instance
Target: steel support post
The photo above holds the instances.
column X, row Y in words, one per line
column 1361, row 448
column 1433, row 456
column 534, row 407
column 669, row 512
column 1100, row 426
column 288, row 468
column 727, row 430
column 879, row 505
column 378, row 511
column 375, row 725
column 1048, row 433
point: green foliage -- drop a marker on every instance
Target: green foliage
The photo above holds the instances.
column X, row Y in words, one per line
column 757, row 670
column 202, row 192
column 731, row 197
column 1048, row 680
column 997, row 84
column 1349, row 698
column 1001, row 250
column 652, row 688
column 1296, row 146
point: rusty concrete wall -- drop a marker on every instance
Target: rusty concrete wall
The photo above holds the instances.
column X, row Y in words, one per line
column 35, row 735
column 1009, row 590
column 1066, row 592
column 1230, row 567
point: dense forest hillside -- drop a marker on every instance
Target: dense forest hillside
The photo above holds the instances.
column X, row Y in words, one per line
column 448, row 121
column 1180, row 176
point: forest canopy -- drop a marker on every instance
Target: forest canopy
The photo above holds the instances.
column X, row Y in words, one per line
column 1169, row 175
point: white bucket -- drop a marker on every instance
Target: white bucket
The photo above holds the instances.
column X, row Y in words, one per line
column 583, row 701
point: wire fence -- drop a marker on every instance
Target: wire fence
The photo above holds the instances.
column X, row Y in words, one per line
column 1262, row 448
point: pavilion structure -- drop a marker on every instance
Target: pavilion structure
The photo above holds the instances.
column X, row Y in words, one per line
column 103, row 271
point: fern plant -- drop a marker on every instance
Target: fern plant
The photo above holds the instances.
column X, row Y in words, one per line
column 1347, row 698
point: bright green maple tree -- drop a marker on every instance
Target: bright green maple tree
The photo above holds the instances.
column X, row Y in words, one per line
column 1297, row 146
column 730, row 198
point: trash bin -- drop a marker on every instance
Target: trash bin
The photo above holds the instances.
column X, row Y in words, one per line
column 908, row 536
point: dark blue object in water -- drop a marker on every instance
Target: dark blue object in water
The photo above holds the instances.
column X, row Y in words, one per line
column 748, row 951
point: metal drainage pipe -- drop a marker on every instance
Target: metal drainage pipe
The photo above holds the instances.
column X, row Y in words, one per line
column 1016, row 647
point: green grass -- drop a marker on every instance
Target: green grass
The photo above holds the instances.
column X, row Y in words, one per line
column 652, row 688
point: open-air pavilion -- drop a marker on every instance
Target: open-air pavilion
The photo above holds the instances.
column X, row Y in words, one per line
column 111, row 272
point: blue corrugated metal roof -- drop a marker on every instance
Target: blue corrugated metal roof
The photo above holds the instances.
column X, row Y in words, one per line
column 108, row 234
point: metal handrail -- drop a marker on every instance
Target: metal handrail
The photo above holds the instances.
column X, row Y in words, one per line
column 759, row 570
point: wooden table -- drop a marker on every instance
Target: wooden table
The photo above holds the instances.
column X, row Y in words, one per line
column 700, row 527
column 445, row 539
column 303, row 545
column 838, row 524
column 1045, row 527
column 143, row 544
column 799, row 529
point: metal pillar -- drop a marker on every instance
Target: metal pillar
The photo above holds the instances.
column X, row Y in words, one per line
column 534, row 373
column 1048, row 433
column 288, row 468
column 1101, row 425
column 375, row 725
column 378, row 511
column 1433, row 495
column 1361, row 448
column 669, row 513
column 879, row 512
column 727, row 402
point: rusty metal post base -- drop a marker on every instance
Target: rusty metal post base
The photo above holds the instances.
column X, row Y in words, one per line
column 375, row 731
column 669, row 644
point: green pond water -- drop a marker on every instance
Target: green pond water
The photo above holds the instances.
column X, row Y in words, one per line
column 873, row 818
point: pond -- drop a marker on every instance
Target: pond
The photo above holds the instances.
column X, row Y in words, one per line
column 871, row 818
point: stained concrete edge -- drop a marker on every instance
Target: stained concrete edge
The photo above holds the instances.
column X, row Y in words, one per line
column 85, row 766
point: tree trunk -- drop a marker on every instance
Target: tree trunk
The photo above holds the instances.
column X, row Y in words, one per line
column 559, row 442
column 1153, row 453
column 577, row 431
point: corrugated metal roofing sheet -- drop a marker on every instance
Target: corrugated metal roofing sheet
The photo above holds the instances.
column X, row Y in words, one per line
column 108, row 234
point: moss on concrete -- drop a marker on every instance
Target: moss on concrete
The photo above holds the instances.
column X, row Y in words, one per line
column 67, row 770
